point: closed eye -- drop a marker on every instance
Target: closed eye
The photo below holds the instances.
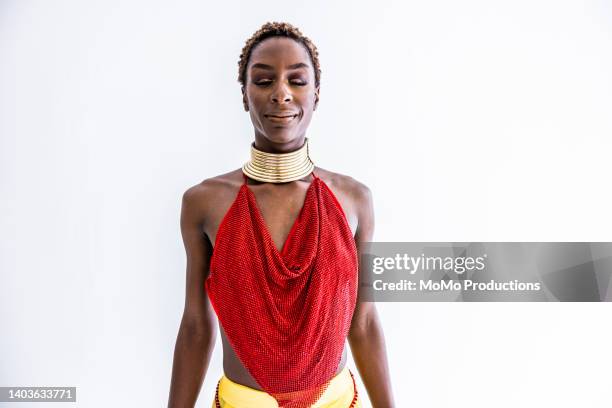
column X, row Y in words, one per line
column 268, row 82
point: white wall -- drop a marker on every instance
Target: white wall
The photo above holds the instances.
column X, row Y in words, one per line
column 470, row 121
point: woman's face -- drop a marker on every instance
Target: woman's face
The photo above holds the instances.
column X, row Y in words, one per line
column 280, row 92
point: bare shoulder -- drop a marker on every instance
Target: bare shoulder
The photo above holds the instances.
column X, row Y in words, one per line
column 355, row 198
column 202, row 200
column 357, row 193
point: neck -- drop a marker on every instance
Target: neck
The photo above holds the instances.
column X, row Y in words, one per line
column 266, row 145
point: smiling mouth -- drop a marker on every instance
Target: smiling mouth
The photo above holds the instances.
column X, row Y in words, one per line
column 281, row 119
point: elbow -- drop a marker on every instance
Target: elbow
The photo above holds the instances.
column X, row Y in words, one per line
column 365, row 325
column 198, row 330
column 358, row 332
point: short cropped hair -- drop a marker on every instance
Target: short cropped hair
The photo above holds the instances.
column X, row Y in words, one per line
column 277, row 29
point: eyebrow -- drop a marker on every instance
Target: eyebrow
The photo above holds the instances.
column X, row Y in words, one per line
column 270, row 68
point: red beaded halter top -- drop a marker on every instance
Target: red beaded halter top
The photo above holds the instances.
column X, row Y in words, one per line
column 286, row 313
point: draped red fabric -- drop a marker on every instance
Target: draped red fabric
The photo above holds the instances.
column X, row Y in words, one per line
column 286, row 313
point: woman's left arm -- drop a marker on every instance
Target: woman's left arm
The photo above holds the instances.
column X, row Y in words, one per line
column 366, row 337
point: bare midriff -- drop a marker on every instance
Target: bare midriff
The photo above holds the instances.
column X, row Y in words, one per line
column 235, row 370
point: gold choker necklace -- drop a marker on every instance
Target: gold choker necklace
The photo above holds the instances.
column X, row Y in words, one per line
column 279, row 167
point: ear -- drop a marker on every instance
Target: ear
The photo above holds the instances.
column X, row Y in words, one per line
column 244, row 99
column 316, row 99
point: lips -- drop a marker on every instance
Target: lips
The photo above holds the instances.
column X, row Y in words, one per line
column 281, row 117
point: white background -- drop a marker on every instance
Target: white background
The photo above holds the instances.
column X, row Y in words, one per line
column 469, row 121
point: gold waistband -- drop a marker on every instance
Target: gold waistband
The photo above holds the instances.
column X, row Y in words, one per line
column 340, row 393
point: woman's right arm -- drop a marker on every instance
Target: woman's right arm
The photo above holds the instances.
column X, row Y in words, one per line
column 198, row 330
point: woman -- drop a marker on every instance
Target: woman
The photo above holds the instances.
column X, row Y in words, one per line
column 282, row 278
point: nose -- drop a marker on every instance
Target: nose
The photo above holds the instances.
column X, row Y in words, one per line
column 280, row 93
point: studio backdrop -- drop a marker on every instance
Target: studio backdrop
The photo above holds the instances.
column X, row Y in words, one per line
column 472, row 121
